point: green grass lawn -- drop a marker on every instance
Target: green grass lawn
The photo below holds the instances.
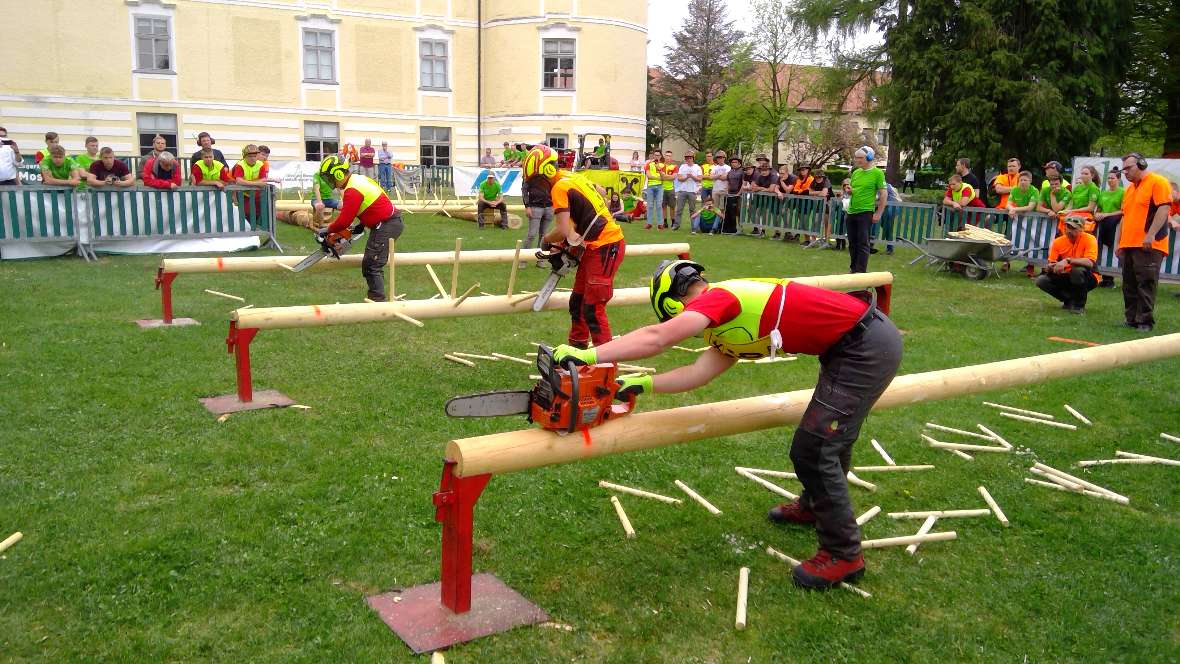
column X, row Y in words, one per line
column 155, row 533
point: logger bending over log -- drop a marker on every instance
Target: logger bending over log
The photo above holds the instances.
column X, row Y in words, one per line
column 581, row 220
column 363, row 199
column 859, row 351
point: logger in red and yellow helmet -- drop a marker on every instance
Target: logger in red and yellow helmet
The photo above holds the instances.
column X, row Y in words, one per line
column 859, row 352
column 364, row 201
column 582, row 222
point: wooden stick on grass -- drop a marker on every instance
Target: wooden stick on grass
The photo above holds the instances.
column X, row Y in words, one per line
column 926, row 526
column 1024, row 418
column 1014, row 409
column 908, row 539
column 475, row 356
column 993, row 506
column 890, row 469
column 627, row 529
column 697, row 497
column 971, row 434
column 637, row 492
column 1073, row 411
column 1077, row 489
column 940, row 514
column 856, row 481
column 770, row 486
column 739, row 620
column 1170, row 437
column 459, row 360
column 961, row 453
column 10, row 540
column 225, row 295
column 502, row 356
column 785, row 474
column 868, row 515
column 995, row 436
column 1160, row 460
column 881, row 450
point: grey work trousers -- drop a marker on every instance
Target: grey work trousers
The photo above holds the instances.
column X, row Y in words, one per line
column 692, row 200
column 853, row 374
column 539, row 220
column 377, row 255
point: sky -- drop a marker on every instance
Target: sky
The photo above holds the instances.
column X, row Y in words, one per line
column 666, row 16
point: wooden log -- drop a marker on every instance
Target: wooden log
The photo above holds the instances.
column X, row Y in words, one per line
column 520, row 360
column 775, row 553
column 10, row 540
column 1025, row 418
column 1073, row 411
column 475, row 356
column 856, row 481
column 908, row 539
column 1077, row 480
column 532, row 448
column 455, row 268
column 466, row 294
column 632, row 367
column 891, row 469
column 1111, row 462
column 940, row 514
column 485, row 256
column 512, row 271
column 1021, row 411
column 638, row 492
column 963, row 447
column 769, row 486
column 409, row 319
column 926, row 526
column 881, row 450
column 392, row 267
column 971, row 434
column 1160, row 460
column 1170, row 437
column 961, row 454
column 225, row 295
column 697, row 497
column 627, row 529
column 739, row 620
column 1080, row 490
column 995, row 436
column 436, row 657
column 993, row 505
column 459, row 360
column 868, row 515
column 785, row 474
column 1053, row 478
column 530, row 296
column 437, row 284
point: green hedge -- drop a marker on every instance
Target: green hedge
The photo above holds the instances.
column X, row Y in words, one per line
column 836, row 176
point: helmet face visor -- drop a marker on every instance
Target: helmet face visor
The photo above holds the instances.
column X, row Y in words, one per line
column 669, row 284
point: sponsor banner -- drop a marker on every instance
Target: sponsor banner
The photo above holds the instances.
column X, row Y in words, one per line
column 469, row 178
column 626, row 183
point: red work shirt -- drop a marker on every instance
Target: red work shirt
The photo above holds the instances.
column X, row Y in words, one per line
column 198, row 176
column 239, row 172
column 379, row 211
column 366, row 155
column 813, row 318
column 160, row 179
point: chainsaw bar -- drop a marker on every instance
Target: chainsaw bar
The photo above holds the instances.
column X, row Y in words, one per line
column 489, row 404
column 546, row 291
column 312, row 259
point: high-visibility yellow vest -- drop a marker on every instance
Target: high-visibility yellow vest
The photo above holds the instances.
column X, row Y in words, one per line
column 370, row 191
column 707, row 181
column 212, row 172
column 251, row 172
column 739, row 337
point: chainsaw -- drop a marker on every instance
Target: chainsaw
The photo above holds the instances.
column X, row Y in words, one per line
column 332, row 244
column 568, row 398
column 561, row 261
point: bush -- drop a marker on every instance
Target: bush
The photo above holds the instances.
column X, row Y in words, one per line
column 836, row 176
column 927, row 179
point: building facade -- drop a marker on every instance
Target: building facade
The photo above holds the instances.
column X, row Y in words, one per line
column 438, row 80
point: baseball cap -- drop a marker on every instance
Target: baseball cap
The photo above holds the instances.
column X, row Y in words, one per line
column 762, row 157
column 1053, row 164
column 1076, row 222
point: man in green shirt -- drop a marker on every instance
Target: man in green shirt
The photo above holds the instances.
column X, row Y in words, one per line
column 491, row 197
column 1109, row 214
column 58, row 169
column 323, row 197
column 1023, row 197
column 865, row 207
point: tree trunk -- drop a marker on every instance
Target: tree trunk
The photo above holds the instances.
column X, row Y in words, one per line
column 1172, row 128
column 892, row 163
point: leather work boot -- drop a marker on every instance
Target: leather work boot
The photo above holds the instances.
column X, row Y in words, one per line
column 792, row 512
column 824, row 571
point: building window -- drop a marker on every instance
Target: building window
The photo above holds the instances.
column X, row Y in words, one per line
column 557, row 64
column 435, row 145
column 151, row 124
column 433, row 61
column 883, row 137
column 153, row 44
column 320, row 139
column 319, row 56
column 556, row 141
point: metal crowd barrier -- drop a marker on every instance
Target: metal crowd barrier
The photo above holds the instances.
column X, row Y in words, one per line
column 36, row 213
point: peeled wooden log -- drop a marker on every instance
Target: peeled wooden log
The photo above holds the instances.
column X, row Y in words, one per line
column 533, row 448
column 271, row 318
column 265, row 263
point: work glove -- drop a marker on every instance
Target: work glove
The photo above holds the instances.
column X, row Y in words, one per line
column 566, row 352
column 633, row 386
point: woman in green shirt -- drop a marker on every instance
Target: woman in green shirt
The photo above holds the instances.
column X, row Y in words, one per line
column 1084, row 198
column 1108, row 215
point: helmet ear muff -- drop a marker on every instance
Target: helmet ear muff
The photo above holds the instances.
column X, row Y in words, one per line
column 669, row 283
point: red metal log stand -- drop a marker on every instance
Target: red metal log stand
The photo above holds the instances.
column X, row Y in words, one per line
column 164, row 285
column 461, row 607
column 884, row 298
column 238, row 343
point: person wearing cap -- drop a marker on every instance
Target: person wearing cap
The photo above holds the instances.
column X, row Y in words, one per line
column 1108, row 214
column 253, row 173
column 764, row 179
column 653, row 193
column 859, row 352
column 491, row 196
column 1052, row 173
column 1054, row 197
column 866, row 204
column 735, row 180
column 720, row 174
column 688, row 190
column 1070, row 274
column 1143, row 239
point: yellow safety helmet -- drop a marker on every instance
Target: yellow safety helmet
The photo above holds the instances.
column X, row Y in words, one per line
column 334, row 168
column 540, row 160
column 669, row 283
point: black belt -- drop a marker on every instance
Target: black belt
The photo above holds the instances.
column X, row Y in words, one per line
column 871, row 314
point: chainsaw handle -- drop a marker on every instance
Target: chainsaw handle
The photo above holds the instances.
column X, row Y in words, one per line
column 571, row 365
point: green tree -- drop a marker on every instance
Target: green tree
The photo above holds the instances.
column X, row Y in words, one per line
column 1151, row 89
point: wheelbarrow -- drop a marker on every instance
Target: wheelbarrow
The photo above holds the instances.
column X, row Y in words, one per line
column 974, row 259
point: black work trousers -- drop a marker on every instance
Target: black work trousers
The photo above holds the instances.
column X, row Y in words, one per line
column 1071, row 288
column 377, row 255
column 853, row 374
column 859, row 227
column 1141, row 275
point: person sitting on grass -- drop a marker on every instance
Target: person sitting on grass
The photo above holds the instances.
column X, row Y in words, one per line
column 617, row 209
column 208, row 172
column 1023, row 198
column 1070, row 274
column 108, row 171
column 59, row 170
column 707, row 220
column 859, row 348
column 491, row 197
column 162, row 172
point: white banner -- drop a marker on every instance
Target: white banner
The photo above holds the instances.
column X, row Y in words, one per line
column 1169, row 168
column 294, row 173
column 468, row 179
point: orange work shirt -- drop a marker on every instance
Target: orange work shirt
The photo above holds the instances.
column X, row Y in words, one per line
column 1085, row 246
column 802, row 185
column 588, row 212
column 1140, row 202
column 1008, row 180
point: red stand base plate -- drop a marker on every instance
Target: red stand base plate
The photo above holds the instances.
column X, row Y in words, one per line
column 159, row 322
column 421, row 620
column 229, row 403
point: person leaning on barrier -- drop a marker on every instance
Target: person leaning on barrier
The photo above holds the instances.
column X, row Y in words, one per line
column 707, row 179
column 209, row 172
column 51, row 139
column 59, row 170
column 161, row 171
column 821, row 187
column 669, row 183
column 1023, row 198
column 84, row 160
column 1070, row 274
column 107, row 171
column 1143, row 239
column 1054, row 198
column 1083, row 198
column 963, row 169
column 1005, row 182
column 1109, row 214
column 10, row 160
column 764, row 179
column 859, row 351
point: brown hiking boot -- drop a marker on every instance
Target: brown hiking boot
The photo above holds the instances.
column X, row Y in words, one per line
column 825, row 570
column 792, row 512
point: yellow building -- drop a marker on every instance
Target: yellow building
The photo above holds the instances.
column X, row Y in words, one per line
column 438, row 80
